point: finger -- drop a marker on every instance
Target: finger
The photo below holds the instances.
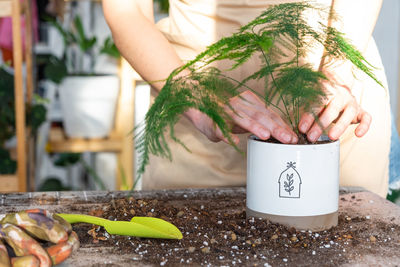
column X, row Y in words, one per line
column 25, row 261
column 242, row 119
column 38, row 223
column 60, row 252
column 349, row 113
column 238, row 130
column 4, row 258
column 23, row 244
column 308, row 118
column 262, row 125
column 365, row 121
column 276, row 118
column 330, row 113
column 239, row 110
column 221, row 136
column 252, row 102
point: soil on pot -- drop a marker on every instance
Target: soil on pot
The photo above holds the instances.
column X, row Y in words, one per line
column 302, row 141
column 217, row 233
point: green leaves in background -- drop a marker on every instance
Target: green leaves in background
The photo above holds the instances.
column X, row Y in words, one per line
column 55, row 69
column 109, row 48
column 68, row 37
column 67, row 159
column 7, row 165
column 394, row 196
column 35, row 116
column 52, row 183
column 84, row 42
column 164, row 5
column 7, row 106
column 75, row 36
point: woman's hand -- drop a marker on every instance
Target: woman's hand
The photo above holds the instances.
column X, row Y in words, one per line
column 250, row 115
column 341, row 109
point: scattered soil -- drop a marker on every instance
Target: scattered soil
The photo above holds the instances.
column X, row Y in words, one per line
column 216, row 233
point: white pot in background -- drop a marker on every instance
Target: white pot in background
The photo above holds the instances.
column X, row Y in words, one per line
column 295, row 185
column 88, row 104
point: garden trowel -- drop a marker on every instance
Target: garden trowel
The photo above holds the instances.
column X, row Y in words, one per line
column 147, row 227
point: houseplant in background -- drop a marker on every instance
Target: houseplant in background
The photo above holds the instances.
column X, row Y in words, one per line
column 296, row 185
column 88, row 99
column 35, row 116
column 163, row 5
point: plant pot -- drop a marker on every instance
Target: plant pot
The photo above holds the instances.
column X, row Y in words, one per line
column 294, row 185
column 88, row 104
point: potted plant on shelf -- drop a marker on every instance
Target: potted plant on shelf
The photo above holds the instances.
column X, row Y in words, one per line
column 88, row 99
column 297, row 185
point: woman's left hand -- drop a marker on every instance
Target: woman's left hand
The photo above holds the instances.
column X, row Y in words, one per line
column 342, row 109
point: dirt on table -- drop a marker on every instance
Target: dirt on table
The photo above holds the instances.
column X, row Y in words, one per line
column 216, row 232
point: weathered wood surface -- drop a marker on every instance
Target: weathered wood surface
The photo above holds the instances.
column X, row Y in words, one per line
column 352, row 201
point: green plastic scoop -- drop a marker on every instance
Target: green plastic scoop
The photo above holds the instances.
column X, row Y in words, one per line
column 138, row 226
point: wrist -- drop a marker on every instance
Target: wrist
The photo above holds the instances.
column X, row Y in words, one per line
column 340, row 73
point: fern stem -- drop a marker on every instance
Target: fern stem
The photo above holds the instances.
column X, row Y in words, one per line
column 247, row 87
column 296, row 101
column 280, row 93
column 273, row 80
column 252, row 90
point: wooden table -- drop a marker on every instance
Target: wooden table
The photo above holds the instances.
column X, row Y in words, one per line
column 354, row 201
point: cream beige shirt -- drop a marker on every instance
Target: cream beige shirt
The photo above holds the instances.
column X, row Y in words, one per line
column 194, row 24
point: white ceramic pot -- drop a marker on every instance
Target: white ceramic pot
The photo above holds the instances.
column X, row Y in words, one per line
column 295, row 185
column 88, row 104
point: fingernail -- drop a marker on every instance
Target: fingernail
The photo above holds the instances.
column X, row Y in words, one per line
column 333, row 134
column 303, row 127
column 264, row 135
column 294, row 139
column 286, row 137
column 313, row 136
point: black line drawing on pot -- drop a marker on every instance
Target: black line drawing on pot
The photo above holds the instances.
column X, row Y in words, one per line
column 290, row 182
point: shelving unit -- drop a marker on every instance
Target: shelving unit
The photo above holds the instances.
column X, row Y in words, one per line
column 119, row 141
column 15, row 9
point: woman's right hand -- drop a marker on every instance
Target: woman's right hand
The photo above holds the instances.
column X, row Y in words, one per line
column 249, row 114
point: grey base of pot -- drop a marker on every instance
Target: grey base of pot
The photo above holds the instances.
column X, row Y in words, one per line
column 313, row 223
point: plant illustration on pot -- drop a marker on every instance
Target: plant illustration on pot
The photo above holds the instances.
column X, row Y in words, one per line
column 290, row 182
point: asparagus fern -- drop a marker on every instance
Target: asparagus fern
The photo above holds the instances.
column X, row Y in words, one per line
column 291, row 87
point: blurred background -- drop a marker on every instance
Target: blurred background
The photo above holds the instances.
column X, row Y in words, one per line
column 71, row 102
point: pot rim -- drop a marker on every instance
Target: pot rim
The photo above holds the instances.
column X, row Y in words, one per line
column 324, row 138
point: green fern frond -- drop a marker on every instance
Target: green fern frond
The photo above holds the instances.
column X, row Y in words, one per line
column 338, row 47
column 204, row 91
column 301, row 84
